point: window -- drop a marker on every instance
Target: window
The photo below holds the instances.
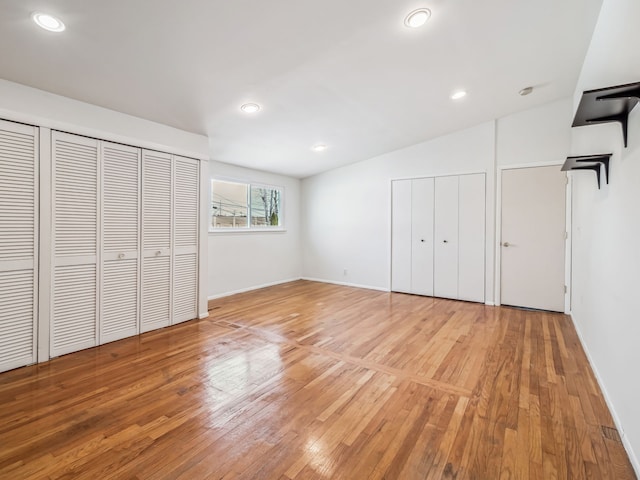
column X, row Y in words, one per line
column 265, row 206
column 229, row 204
column 243, row 205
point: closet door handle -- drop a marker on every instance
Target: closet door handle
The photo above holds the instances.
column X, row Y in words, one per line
column 445, row 241
column 158, row 252
column 121, row 255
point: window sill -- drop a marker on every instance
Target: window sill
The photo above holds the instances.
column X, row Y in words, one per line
column 226, row 231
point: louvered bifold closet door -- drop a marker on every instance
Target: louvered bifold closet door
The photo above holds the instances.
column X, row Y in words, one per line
column 120, row 242
column 18, row 244
column 185, row 273
column 156, row 240
column 75, row 234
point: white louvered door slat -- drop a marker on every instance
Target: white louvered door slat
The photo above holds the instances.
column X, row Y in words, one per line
column 76, row 206
column 16, row 318
column 156, row 240
column 75, row 233
column 185, row 287
column 120, row 214
column 18, row 240
column 119, row 314
column 120, row 190
column 157, row 200
column 156, row 289
column 185, row 272
column 186, row 202
column 74, row 308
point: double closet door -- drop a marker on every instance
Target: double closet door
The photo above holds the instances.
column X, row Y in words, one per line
column 119, row 250
column 170, row 239
column 18, row 244
column 438, row 236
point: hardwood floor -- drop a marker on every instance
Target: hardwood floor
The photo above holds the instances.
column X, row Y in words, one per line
column 308, row 380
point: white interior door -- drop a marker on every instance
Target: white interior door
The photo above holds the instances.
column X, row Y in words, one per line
column 422, row 236
column 120, row 268
column 445, row 264
column 157, row 193
column 185, row 263
column 75, row 233
column 533, row 238
column 18, row 244
column 401, row 236
column 471, row 237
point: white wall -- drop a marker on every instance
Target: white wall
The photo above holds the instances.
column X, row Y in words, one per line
column 37, row 107
column 347, row 211
column 240, row 261
column 537, row 135
column 606, row 226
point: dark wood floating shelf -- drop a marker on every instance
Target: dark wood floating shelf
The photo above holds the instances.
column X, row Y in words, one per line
column 611, row 104
column 589, row 162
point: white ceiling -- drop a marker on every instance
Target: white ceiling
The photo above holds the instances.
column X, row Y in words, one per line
column 347, row 73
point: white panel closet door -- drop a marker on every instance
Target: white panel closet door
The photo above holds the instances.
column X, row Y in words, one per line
column 186, row 214
column 75, row 234
column 18, row 244
column 445, row 265
column 157, row 192
column 471, row 249
column 422, row 191
column 401, row 236
column 120, row 267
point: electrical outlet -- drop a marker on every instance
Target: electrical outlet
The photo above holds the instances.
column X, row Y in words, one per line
column 345, row 272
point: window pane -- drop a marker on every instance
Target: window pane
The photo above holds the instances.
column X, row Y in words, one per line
column 228, row 204
column 265, row 206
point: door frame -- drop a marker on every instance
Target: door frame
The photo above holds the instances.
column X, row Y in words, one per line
column 498, row 232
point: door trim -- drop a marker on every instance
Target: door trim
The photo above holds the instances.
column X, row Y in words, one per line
column 498, row 232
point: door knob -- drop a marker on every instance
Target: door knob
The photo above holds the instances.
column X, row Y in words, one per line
column 446, row 241
column 422, row 240
column 506, row 244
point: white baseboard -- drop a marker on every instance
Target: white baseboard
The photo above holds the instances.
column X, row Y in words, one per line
column 625, row 441
column 203, row 315
column 346, row 284
column 248, row 289
column 279, row 282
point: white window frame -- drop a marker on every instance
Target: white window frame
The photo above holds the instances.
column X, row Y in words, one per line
column 249, row 228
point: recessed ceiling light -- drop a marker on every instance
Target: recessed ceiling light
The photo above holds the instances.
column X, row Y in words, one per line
column 526, row 91
column 417, row 18
column 48, row 22
column 458, row 95
column 321, row 147
column 250, row 108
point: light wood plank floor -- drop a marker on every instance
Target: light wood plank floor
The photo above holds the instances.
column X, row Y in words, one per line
column 308, row 380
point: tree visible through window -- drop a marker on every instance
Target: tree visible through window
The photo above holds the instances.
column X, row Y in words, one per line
column 265, row 206
column 233, row 204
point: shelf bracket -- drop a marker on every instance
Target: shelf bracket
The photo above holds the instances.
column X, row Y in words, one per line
column 611, row 104
column 595, row 167
column 589, row 162
column 631, row 94
column 622, row 119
